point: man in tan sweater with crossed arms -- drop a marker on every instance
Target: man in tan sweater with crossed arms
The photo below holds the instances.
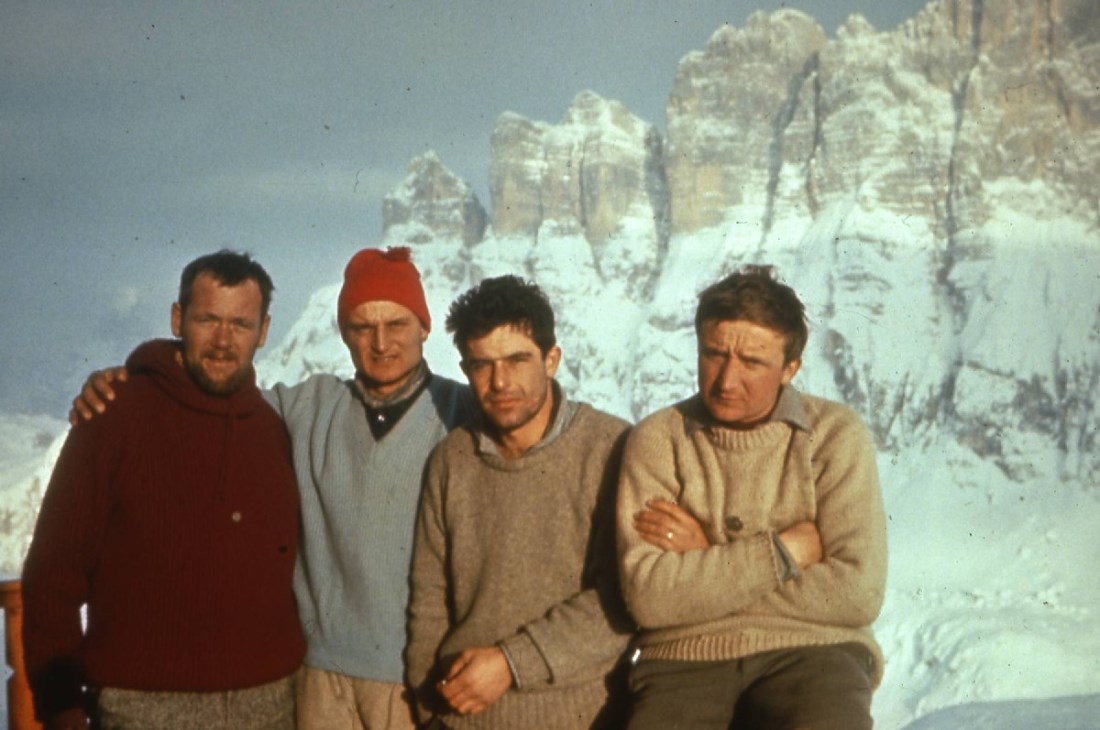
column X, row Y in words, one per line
column 751, row 535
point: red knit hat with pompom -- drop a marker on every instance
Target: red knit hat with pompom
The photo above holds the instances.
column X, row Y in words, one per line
column 375, row 275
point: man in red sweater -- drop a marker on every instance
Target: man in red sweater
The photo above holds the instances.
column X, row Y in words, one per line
column 173, row 518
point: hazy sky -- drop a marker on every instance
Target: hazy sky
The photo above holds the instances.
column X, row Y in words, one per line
column 135, row 136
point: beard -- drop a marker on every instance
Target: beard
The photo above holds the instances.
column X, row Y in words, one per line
column 220, row 386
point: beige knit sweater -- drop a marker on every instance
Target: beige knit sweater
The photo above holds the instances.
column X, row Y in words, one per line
column 521, row 553
column 812, row 461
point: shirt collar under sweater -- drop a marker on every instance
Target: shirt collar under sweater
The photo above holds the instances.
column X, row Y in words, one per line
column 384, row 413
column 412, row 386
column 565, row 410
column 789, row 408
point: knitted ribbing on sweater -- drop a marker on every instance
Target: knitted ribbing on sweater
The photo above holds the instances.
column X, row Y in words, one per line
column 519, row 552
column 729, row 601
column 359, row 497
column 174, row 518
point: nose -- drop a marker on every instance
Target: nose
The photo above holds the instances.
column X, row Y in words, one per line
column 499, row 380
column 222, row 335
column 380, row 339
column 729, row 375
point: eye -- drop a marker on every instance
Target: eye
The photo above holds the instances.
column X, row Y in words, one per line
column 477, row 366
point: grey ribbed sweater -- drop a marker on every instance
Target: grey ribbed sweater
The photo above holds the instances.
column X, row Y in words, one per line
column 521, row 553
column 359, row 497
column 815, row 462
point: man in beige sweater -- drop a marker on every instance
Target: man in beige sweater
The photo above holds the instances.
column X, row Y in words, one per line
column 751, row 535
column 515, row 619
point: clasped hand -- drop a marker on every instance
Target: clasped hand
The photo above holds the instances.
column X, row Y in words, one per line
column 475, row 680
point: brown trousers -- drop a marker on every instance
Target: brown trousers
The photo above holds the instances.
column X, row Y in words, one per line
column 820, row 687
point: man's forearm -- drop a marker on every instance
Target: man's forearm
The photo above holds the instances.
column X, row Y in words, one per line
column 571, row 637
column 846, row 588
column 665, row 588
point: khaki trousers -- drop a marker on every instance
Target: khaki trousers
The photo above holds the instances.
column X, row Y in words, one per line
column 267, row 707
column 333, row 701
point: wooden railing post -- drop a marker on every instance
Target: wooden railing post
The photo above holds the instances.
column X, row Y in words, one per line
column 20, row 709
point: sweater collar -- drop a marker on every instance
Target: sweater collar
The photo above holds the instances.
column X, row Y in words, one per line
column 412, row 387
column 790, row 408
column 564, row 411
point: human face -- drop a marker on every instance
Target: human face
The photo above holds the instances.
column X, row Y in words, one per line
column 511, row 379
column 742, row 366
column 221, row 330
column 386, row 343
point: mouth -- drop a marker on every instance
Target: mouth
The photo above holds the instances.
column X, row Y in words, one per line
column 220, row 360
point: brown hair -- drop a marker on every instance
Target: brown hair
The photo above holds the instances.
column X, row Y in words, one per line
column 754, row 294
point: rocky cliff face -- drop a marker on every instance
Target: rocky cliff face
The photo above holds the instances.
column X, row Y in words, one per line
column 432, row 203
column 930, row 192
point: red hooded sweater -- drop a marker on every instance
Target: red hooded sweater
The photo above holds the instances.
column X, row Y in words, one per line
column 174, row 517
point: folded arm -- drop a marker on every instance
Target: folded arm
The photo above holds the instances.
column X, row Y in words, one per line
column 848, row 586
column 666, row 587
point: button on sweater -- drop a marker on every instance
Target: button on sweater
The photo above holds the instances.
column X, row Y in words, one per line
column 174, row 517
column 814, row 462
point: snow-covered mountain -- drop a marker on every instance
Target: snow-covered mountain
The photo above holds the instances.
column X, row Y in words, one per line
column 28, row 449
column 931, row 193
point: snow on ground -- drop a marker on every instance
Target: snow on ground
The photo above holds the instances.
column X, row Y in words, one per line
column 991, row 596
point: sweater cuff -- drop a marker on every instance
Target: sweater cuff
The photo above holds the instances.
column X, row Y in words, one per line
column 525, row 660
column 56, row 688
column 785, row 564
column 511, row 665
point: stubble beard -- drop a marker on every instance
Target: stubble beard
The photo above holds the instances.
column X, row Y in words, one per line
column 211, row 386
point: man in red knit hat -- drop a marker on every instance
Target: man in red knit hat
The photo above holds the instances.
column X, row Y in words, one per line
column 174, row 519
column 359, row 449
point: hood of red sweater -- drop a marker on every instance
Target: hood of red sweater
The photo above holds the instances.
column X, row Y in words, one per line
column 162, row 361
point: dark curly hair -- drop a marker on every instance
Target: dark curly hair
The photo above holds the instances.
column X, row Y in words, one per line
column 503, row 300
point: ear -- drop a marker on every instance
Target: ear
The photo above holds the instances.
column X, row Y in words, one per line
column 177, row 320
column 263, row 330
column 552, row 360
column 790, row 370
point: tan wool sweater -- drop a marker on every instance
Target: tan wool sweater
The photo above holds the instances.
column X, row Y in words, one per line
column 813, row 460
column 520, row 553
